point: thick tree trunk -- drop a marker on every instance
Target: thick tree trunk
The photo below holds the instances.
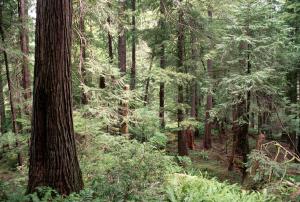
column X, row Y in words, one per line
column 133, row 59
column 162, row 66
column 53, row 158
column 182, row 139
column 11, row 100
column 122, row 39
column 82, row 52
column 24, row 43
column 209, row 101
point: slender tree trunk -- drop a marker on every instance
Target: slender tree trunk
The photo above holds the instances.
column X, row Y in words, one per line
column 242, row 145
column 53, row 157
column 122, row 39
column 162, row 66
column 235, row 129
column 82, row 52
column 298, row 100
column 194, row 54
column 102, row 84
column 24, row 43
column 2, row 105
column 182, row 139
column 146, row 96
column 209, row 101
column 11, row 100
column 133, row 65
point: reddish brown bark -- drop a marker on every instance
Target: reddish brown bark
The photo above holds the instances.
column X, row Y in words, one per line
column 53, row 158
column 190, row 138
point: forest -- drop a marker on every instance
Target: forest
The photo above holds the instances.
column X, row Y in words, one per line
column 149, row 100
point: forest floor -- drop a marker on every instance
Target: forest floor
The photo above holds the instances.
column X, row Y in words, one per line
column 213, row 162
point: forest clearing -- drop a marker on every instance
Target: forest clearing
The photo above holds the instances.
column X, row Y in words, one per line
column 149, row 100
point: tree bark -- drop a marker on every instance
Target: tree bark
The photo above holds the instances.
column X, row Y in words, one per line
column 122, row 39
column 162, row 66
column 133, row 59
column 182, row 139
column 53, row 158
column 82, row 52
column 24, row 43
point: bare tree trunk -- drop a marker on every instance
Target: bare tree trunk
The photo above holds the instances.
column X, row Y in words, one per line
column 209, row 102
column 82, row 52
column 102, row 84
column 298, row 100
column 146, row 96
column 2, row 105
column 24, row 43
column 53, row 158
column 162, row 66
column 182, row 139
column 133, row 65
column 11, row 100
column 122, row 39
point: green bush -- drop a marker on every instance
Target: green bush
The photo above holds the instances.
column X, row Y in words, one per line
column 124, row 169
column 182, row 187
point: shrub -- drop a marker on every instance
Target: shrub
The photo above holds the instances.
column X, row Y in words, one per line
column 182, row 187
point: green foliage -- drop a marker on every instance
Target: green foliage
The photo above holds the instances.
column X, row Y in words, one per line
column 197, row 188
column 268, row 169
column 118, row 169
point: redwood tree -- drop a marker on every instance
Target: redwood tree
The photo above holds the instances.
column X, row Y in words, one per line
column 182, row 139
column 53, row 158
